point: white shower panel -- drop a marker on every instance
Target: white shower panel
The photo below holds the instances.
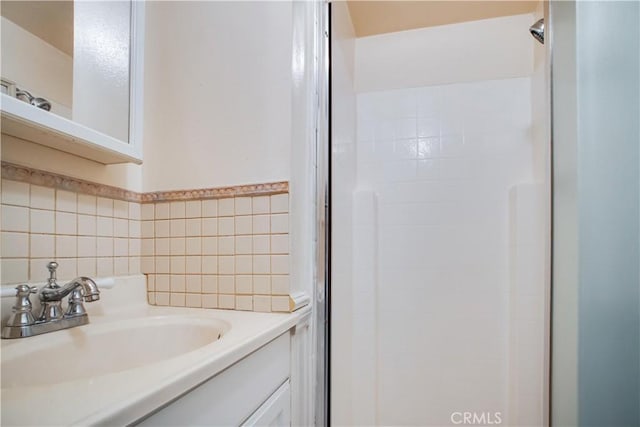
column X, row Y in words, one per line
column 442, row 161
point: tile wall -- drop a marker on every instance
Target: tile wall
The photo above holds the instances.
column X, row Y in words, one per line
column 227, row 253
column 224, row 252
column 86, row 234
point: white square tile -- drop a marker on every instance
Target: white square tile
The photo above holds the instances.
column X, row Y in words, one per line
column 262, row 285
column 261, row 244
column 193, row 209
column 193, row 227
column 193, row 300
column 226, row 226
column 280, row 264
column 44, row 246
column 177, row 245
column 210, row 246
column 66, row 223
column 66, row 201
column 244, row 264
column 121, row 266
column 41, row 221
column 226, row 265
column 148, row 229
column 104, row 267
column 226, row 207
column 243, row 205
column 194, row 283
column 67, row 269
column 162, row 264
column 104, row 246
column 87, row 204
column 177, row 209
column 15, row 218
column 209, row 264
column 163, row 246
column 66, row 247
column 162, row 299
column 209, row 284
column 43, row 197
column 244, row 284
column 262, row 303
column 135, row 247
column 226, row 284
column 147, row 247
column 280, row 304
column 178, row 265
column 15, row 245
column 243, row 245
column 226, row 245
column 280, row 203
column 121, row 247
column 193, row 264
column 104, row 226
column 163, row 210
column 209, row 226
column 134, row 265
column 261, row 224
column 178, row 283
column 193, row 246
column 38, row 269
column 163, row 283
column 104, row 206
column 280, row 223
column 120, row 227
column 177, row 227
column 87, row 246
column 210, row 301
column 279, row 243
column 87, row 225
column 135, row 211
column 162, row 228
column 121, row 209
column 279, row 285
column 261, row 264
column 147, row 265
column 135, row 229
column 147, row 211
column 87, row 267
column 209, row 208
column 177, row 300
column 244, row 302
column 261, row 205
column 15, row 193
column 243, row 225
column 227, row 301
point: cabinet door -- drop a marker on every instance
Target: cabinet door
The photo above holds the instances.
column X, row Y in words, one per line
column 275, row 411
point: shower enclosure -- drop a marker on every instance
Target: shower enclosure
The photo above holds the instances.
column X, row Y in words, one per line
column 452, row 208
column 439, row 217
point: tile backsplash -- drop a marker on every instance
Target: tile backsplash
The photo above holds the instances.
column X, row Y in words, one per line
column 212, row 248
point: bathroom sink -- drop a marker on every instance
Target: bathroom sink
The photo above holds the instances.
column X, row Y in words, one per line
column 103, row 348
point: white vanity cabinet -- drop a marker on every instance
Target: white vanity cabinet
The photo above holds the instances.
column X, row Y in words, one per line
column 254, row 391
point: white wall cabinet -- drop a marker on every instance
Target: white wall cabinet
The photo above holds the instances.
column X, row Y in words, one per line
column 252, row 392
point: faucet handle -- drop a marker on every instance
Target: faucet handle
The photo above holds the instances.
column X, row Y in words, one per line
column 52, row 267
column 22, row 315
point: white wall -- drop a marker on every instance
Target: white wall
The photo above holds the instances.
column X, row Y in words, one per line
column 455, row 53
column 343, row 394
column 447, row 230
column 217, row 94
column 37, row 66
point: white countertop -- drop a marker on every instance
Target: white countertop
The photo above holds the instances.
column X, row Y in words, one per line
column 120, row 398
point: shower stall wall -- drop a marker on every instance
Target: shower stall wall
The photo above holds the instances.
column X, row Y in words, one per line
column 439, row 217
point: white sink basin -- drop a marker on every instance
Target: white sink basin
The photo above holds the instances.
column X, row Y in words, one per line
column 103, row 348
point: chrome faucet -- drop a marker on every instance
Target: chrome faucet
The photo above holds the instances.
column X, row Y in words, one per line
column 52, row 318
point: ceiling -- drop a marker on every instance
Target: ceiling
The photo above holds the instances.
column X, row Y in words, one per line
column 52, row 21
column 378, row 17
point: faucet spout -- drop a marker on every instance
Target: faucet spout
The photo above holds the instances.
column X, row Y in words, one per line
column 90, row 291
